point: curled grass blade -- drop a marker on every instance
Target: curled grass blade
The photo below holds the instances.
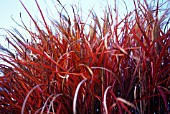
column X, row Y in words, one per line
column 26, row 98
column 51, row 103
column 104, row 99
column 76, row 95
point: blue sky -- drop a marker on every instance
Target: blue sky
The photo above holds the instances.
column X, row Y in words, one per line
column 12, row 8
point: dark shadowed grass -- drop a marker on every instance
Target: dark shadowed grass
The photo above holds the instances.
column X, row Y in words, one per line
column 111, row 67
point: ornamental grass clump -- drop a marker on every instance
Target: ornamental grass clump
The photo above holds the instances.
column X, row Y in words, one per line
column 108, row 66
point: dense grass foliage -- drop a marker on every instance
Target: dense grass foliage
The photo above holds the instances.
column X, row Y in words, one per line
column 110, row 65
